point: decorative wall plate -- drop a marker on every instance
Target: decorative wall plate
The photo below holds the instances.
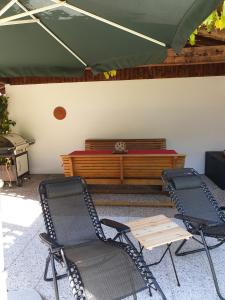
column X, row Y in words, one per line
column 59, row 113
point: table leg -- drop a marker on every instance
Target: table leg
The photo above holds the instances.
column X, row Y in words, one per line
column 159, row 261
column 174, row 268
column 171, row 257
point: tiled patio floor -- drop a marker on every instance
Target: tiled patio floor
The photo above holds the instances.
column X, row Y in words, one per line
column 25, row 255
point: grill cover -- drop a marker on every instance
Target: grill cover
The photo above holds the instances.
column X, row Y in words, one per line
column 12, row 141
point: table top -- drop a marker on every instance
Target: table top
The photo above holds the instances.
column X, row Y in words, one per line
column 156, row 231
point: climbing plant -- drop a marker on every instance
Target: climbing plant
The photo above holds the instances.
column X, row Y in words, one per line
column 109, row 74
column 5, row 122
column 5, row 127
column 215, row 21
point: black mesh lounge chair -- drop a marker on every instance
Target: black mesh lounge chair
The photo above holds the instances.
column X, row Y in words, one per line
column 199, row 211
column 98, row 268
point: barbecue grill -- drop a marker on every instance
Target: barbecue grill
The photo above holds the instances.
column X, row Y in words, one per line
column 14, row 157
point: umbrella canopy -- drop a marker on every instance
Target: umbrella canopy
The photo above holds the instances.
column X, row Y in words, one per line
column 62, row 38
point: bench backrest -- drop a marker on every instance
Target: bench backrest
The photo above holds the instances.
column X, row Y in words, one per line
column 131, row 144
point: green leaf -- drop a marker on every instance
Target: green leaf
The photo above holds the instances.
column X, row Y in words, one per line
column 220, row 23
column 210, row 21
column 5, row 122
column 112, row 73
column 192, row 39
column 106, row 74
column 109, row 74
column 223, row 10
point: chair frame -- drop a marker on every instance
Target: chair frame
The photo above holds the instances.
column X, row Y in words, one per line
column 122, row 235
column 197, row 226
column 56, row 251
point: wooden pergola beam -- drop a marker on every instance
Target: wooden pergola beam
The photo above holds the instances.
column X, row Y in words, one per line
column 215, row 35
column 196, row 55
column 191, row 62
column 145, row 72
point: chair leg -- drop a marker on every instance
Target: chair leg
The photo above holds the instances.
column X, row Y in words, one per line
column 54, row 277
column 158, row 288
column 126, row 238
column 211, row 265
column 46, row 278
column 46, row 269
column 178, row 253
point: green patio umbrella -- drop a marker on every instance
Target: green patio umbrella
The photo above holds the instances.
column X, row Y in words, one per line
column 62, row 38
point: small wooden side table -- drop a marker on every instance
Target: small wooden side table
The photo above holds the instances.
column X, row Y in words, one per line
column 157, row 231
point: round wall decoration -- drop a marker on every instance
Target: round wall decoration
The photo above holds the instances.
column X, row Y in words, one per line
column 59, row 113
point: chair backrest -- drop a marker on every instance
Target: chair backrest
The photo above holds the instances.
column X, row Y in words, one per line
column 69, row 213
column 191, row 195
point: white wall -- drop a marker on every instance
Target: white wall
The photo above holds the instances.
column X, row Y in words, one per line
column 189, row 113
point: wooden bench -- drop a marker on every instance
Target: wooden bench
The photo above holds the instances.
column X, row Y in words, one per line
column 133, row 173
column 121, row 169
column 131, row 144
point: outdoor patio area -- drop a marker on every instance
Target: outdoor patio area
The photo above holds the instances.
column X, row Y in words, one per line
column 112, row 160
column 25, row 255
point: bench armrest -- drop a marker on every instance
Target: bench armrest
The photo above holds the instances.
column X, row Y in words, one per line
column 51, row 243
column 120, row 227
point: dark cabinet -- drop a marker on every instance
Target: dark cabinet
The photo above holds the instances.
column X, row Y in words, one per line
column 215, row 167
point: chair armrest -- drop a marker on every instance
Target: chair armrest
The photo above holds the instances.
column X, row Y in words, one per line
column 200, row 222
column 48, row 241
column 120, row 227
